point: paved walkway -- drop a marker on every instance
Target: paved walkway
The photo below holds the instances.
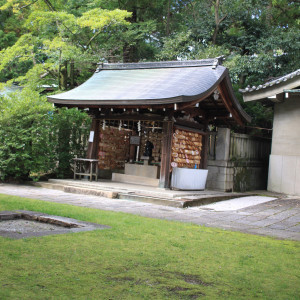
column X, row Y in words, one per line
column 279, row 218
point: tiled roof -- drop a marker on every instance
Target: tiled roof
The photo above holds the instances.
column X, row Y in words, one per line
column 146, row 83
column 276, row 81
column 155, row 84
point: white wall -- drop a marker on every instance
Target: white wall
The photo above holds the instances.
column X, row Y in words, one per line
column 284, row 168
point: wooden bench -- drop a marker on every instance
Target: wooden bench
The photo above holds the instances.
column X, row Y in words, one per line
column 86, row 167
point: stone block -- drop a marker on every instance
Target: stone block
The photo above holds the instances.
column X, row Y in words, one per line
column 223, row 143
column 142, row 170
column 135, row 179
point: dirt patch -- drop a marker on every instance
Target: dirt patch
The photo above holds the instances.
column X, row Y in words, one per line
column 193, row 279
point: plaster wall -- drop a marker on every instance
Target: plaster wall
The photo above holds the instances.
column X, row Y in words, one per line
column 284, row 167
column 286, row 125
column 284, row 174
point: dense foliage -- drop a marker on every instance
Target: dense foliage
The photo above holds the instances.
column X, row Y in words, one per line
column 35, row 139
column 58, row 43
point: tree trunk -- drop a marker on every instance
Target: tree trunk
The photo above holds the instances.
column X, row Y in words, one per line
column 71, row 74
column 218, row 20
column 168, row 18
column 63, row 76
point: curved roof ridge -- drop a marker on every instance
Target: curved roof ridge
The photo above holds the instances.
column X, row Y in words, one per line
column 214, row 62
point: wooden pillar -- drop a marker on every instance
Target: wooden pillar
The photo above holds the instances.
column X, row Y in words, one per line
column 93, row 147
column 204, row 155
column 164, row 181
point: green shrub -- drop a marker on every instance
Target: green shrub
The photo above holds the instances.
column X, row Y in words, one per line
column 35, row 139
column 24, row 135
column 70, row 128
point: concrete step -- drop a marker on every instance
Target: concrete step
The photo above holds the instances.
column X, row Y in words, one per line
column 211, row 199
column 154, row 200
column 77, row 189
column 48, row 185
column 117, row 177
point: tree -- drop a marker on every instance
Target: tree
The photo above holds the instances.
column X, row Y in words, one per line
column 53, row 38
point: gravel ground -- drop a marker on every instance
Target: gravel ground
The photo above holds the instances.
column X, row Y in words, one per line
column 21, row 225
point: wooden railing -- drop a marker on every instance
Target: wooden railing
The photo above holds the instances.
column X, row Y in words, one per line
column 249, row 147
column 242, row 146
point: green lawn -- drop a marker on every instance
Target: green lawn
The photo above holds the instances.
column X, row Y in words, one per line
column 141, row 258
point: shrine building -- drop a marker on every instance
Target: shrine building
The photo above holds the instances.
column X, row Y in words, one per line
column 151, row 120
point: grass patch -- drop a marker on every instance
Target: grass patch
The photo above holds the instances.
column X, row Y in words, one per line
column 142, row 258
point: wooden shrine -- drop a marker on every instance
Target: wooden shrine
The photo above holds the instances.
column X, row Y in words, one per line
column 165, row 106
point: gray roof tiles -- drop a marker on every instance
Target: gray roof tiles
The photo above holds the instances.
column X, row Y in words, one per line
column 148, row 83
column 276, row 81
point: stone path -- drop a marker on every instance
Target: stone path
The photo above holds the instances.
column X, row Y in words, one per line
column 279, row 218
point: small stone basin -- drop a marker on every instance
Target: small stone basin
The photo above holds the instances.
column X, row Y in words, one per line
column 23, row 224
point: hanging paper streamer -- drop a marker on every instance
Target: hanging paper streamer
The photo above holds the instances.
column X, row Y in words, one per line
column 103, row 125
column 120, row 125
column 139, row 126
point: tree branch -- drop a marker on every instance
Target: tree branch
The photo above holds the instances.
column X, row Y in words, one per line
column 29, row 4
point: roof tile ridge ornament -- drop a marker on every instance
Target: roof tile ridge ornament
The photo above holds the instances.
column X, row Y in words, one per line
column 218, row 61
column 213, row 62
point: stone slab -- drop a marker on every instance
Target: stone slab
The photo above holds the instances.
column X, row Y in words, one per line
column 142, row 170
column 238, row 203
column 135, row 179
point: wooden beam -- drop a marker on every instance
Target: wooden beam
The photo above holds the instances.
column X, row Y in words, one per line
column 226, row 100
column 188, row 124
column 204, row 153
column 164, row 180
column 131, row 117
column 182, row 106
column 195, row 111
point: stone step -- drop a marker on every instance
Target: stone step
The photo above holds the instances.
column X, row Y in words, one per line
column 136, row 194
column 77, row 189
column 48, row 185
column 117, row 177
column 152, row 200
